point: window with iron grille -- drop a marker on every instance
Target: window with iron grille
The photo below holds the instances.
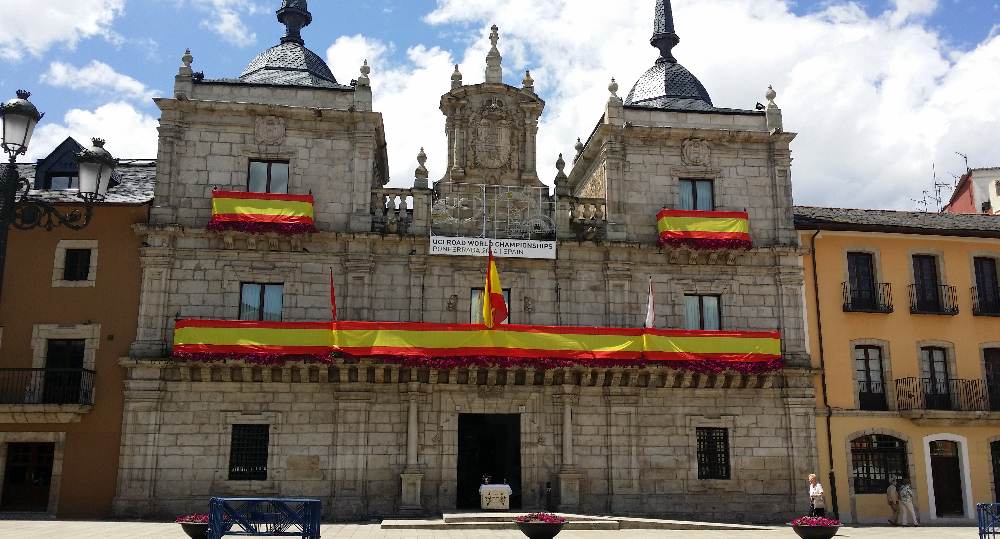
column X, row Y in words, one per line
column 713, row 453
column 77, row 265
column 248, row 453
column 875, row 458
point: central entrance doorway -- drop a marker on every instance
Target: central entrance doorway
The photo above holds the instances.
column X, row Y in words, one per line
column 27, row 477
column 488, row 444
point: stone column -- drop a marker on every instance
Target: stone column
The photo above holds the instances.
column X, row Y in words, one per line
column 569, row 477
column 413, row 475
column 139, row 448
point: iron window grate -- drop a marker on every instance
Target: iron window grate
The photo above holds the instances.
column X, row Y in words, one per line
column 713, row 453
column 875, row 459
column 248, row 453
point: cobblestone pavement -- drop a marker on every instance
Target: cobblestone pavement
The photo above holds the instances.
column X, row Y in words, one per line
column 131, row 530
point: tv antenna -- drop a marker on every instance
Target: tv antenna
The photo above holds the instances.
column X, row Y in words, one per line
column 966, row 158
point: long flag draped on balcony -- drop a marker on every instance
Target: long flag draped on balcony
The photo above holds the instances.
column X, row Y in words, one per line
column 262, row 212
column 450, row 345
column 704, row 229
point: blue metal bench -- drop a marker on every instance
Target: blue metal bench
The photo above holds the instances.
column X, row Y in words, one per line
column 988, row 515
column 264, row 517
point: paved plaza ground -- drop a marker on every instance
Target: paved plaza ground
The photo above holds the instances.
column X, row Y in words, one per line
column 129, row 530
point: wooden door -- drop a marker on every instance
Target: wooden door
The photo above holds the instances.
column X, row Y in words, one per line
column 925, row 280
column 946, row 473
column 861, row 272
column 27, row 477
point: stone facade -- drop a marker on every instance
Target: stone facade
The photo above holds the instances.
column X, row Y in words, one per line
column 374, row 439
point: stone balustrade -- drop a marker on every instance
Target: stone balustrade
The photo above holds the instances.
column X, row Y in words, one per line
column 392, row 210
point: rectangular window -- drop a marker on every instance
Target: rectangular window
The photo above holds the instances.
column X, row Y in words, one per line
column 926, row 284
column 861, row 272
column 262, row 302
column 63, row 371
column 76, row 266
column 268, row 177
column 62, row 181
column 987, row 286
column 248, row 453
column 869, row 373
column 702, row 312
column 476, row 306
column 697, row 195
column 713, row 453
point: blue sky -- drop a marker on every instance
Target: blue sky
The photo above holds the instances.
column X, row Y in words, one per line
column 138, row 44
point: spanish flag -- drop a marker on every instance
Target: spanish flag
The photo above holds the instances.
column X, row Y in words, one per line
column 494, row 307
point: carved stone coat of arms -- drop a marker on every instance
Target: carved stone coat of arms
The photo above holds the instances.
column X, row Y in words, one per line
column 269, row 130
column 492, row 144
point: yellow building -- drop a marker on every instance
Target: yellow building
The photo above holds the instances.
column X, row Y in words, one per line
column 904, row 329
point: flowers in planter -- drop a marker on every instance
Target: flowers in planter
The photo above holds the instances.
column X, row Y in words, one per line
column 196, row 518
column 547, row 518
column 819, row 522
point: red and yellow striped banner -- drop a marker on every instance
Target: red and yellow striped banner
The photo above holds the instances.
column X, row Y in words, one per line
column 704, row 229
column 213, row 339
column 262, row 212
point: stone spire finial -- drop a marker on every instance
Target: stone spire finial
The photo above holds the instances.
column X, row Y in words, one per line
column 363, row 80
column 664, row 37
column 775, row 123
column 528, row 83
column 613, row 87
column 562, row 181
column 456, row 78
column 421, row 174
column 578, row 148
column 494, row 69
column 294, row 14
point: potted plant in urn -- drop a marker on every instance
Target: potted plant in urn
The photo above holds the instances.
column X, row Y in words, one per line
column 815, row 527
column 195, row 526
column 540, row 525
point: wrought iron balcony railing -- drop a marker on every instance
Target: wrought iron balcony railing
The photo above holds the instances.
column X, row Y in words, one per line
column 46, row 386
column 871, row 396
column 868, row 300
column 933, row 299
column 952, row 394
column 985, row 302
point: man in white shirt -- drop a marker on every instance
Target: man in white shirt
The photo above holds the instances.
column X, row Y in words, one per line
column 892, row 497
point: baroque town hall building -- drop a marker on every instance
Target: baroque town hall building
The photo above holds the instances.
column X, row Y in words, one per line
column 281, row 404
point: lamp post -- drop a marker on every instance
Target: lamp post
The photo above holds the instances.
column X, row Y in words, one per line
column 18, row 118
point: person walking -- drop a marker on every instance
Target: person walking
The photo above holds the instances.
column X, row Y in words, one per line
column 817, row 503
column 892, row 497
column 906, row 499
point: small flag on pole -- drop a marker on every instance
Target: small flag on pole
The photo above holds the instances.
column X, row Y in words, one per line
column 333, row 298
column 494, row 307
column 650, row 315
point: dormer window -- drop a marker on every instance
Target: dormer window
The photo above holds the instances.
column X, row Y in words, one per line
column 268, row 177
column 696, row 195
column 61, row 181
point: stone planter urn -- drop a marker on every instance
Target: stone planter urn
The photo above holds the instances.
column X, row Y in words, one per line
column 815, row 532
column 195, row 530
column 540, row 525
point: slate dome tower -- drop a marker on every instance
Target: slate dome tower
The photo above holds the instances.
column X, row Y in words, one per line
column 290, row 63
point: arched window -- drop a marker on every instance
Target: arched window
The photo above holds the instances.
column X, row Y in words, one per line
column 874, row 459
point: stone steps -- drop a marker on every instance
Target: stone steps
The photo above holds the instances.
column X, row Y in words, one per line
column 505, row 521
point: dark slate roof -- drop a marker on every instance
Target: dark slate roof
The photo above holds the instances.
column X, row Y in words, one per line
column 135, row 180
column 290, row 64
column 669, row 86
column 904, row 222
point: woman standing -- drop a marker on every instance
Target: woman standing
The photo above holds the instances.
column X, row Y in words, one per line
column 817, row 502
column 906, row 498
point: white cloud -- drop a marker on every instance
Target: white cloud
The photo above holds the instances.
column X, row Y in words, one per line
column 876, row 99
column 130, row 133
column 227, row 19
column 96, row 77
column 36, row 26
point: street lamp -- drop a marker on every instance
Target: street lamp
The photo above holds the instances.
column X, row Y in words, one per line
column 18, row 118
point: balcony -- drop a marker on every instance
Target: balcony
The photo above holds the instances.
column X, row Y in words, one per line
column 985, row 302
column 953, row 395
column 871, row 396
column 871, row 300
column 47, row 386
column 933, row 300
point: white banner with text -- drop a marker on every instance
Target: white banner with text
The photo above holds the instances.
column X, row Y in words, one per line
column 445, row 245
